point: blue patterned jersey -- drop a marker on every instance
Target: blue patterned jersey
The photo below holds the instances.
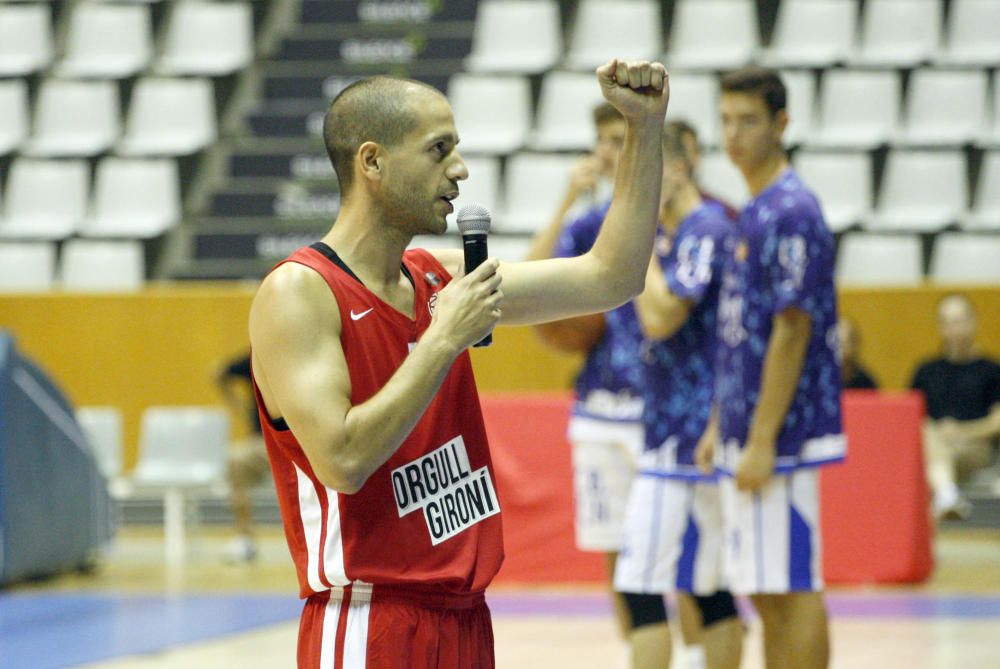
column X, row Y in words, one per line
column 678, row 371
column 609, row 385
column 782, row 257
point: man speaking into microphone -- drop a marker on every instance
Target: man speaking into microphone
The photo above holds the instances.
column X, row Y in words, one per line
column 364, row 386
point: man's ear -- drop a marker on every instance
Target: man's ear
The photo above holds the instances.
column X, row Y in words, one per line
column 780, row 122
column 369, row 160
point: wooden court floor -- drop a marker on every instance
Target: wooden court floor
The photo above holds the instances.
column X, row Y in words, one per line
column 951, row 622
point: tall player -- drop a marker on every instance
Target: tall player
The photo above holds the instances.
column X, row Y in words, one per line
column 673, row 523
column 778, row 380
column 365, row 390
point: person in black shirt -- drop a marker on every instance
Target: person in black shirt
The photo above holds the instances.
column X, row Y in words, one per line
column 853, row 374
column 962, row 391
column 248, row 462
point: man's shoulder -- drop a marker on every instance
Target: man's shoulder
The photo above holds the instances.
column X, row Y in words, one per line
column 711, row 219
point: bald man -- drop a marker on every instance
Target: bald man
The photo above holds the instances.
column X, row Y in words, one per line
column 365, row 388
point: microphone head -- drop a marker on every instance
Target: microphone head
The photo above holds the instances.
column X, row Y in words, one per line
column 473, row 219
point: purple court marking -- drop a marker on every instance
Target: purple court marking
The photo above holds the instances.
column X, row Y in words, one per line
column 867, row 605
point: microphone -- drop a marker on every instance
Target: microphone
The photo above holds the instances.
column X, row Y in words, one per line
column 474, row 223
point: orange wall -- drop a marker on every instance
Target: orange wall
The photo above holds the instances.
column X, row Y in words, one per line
column 164, row 345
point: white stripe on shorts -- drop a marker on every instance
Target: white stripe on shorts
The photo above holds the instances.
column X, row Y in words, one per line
column 355, row 647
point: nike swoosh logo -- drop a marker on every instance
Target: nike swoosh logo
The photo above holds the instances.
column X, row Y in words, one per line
column 358, row 317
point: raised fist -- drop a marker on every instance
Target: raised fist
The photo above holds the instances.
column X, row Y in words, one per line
column 638, row 89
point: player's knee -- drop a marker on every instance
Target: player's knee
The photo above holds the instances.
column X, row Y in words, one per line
column 644, row 610
column 716, row 608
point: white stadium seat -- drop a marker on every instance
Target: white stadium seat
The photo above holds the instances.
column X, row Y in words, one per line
column 25, row 38
column 107, row 40
column 800, row 87
column 985, row 212
column 134, row 197
column 899, row 33
column 973, row 34
column 45, row 199
column 945, row 107
column 858, row 108
column 74, row 118
column 966, row 258
column 866, row 259
column 713, row 34
column 207, row 38
column 102, row 266
column 992, row 135
column 515, row 36
column 27, row 266
column 721, row 178
column 13, row 114
column 510, row 248
column 492, row 111
column 922, row 191
column 102, row 426
column 534, row 185
column 482, row 187
column 606, row 29
column 694, row 97
column 842, row 182
column 813, row 33
column 565, row 112
column 169, row 117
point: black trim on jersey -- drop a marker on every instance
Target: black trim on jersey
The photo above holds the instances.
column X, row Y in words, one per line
column 332, row 256
column 280, row 425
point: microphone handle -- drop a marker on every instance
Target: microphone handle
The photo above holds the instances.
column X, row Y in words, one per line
column 474, row 246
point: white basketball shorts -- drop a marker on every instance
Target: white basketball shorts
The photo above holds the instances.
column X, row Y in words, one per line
column 773, row 543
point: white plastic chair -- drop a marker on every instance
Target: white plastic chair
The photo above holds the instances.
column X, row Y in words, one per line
column 899, row 33
column 858, row 108
column 74, row 118
column 945, row 107
column 169, row 117
column 25, row 38
column 605, row 29
column 515, row 36
column 973, row 34
column 842, row 182
column 207, row 38
column 865, row 259
column 721, row 178
column 922, row 190
column 992, row 135
column 102, row 266
column 27, row 266
column 960, row 257
column 565, row 112
column 694, row 97
column 107, row 40
column 46, row 199
column 534, row 185
column 813, row 33
column 482, row 187
column 510, row 248
column 102, row 426
column 182, row 452
column 713, row 34
column 13, row 114
column 134, row 198
column 492, row 113
column 800, row 86
column 985, row 212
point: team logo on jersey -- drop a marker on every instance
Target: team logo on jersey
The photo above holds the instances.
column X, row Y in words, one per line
column 442, row 485
column 431, row 303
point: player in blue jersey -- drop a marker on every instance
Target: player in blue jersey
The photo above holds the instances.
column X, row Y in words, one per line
column 673, row 521
column 777, row 380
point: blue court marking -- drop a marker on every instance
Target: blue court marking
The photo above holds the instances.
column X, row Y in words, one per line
column 52, row 630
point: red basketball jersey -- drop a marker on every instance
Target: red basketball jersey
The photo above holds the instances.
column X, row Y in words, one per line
column 429, row 518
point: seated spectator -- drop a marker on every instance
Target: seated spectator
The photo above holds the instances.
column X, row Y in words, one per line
column 962, row 390
column 853, row 374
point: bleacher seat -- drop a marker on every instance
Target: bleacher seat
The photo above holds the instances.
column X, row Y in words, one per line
column 694, row 97
column 992, row 135
column 134, row 197
column 27, row 266
column 866, row 259
column 899, row 33
column 973, row 34
column 483, row 185
column 565, row 106
column 713, row 34
column 207, row 38
column 842, row 182
column 45, row 199
column 107, row 40
column 606, row 29
column 102, row 425
column 25, row 38
column 169, row 117
column 534, row 185
column 966, row 258
column 813, row 33
column 922, row 190
column 721, row 178
column 857, row 108
column 985, row 212
column 510, row 248
column 800, row 87
column 945, row 107
column 516, row 36
column 102, row 266
column 492, row 112
column 74, row 118
column 13, row 114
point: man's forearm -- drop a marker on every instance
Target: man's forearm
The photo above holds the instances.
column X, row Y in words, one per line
column 786, row 352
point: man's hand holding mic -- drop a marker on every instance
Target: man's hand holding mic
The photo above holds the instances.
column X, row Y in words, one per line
column 468, row 308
